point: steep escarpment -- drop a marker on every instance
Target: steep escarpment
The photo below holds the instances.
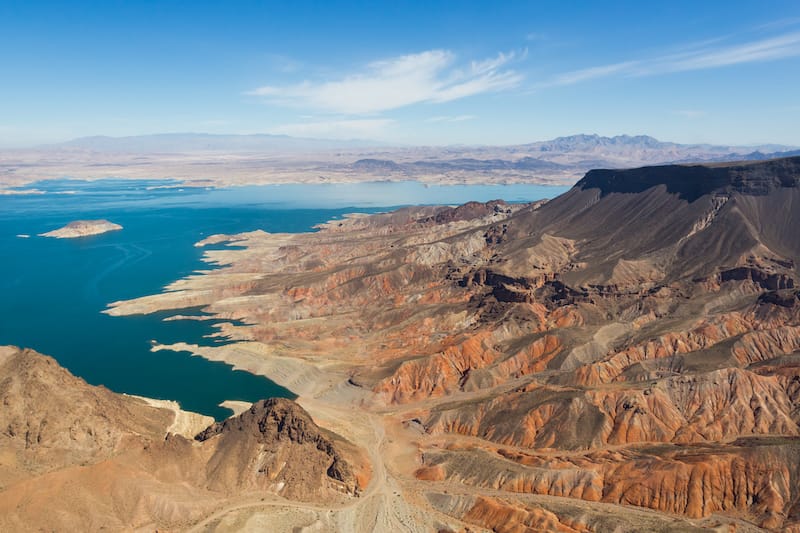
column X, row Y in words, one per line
column 691, row 182
column 665, row 224
column 629, row 349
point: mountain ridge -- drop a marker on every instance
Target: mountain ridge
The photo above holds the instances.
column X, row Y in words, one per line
column 186, row 141
column 215, row 141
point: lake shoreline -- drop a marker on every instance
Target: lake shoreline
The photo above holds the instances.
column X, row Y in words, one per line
column 67, row 283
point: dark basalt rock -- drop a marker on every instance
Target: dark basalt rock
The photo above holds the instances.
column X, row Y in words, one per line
column 788, row 299
column 772, row 282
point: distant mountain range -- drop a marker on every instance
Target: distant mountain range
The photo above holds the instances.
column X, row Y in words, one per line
column 574, row 154
column 587, row 148
column 204, row 142
column 222, row 160
column 583, row 141
column 648, row 149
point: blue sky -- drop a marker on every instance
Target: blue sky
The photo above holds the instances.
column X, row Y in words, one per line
column 406, row 72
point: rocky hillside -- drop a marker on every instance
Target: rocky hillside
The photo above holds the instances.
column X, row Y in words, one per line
column 50, row 419
column 275, row 445
column 78, row 457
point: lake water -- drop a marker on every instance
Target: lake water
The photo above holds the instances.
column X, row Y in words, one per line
column 52, row 291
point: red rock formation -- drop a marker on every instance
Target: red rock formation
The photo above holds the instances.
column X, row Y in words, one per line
column 505, row 517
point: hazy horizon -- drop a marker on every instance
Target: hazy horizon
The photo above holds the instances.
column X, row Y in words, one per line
column 360, row 142
column 403, row 74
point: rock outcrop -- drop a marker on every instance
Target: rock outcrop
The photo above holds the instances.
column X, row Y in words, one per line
column 275, row 445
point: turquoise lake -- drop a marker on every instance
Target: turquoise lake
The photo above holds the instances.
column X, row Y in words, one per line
column 53, row 290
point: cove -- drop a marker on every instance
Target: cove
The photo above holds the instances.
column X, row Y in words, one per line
column 53, row 290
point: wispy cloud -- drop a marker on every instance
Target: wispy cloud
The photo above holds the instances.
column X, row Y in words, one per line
column 432, row 76
column 336, row 129
column 602, row 71
column 780, row 23
column 700, row 57
column 447, row 118
column 787, row 45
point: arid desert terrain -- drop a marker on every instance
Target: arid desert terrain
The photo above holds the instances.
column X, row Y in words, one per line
column 623, row 357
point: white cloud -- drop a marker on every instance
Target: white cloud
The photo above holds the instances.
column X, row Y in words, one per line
column 447, row 118
column 335, row 129
column 700, row 57
column 398, row 82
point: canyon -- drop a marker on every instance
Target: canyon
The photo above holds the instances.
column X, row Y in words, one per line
column 623, row 357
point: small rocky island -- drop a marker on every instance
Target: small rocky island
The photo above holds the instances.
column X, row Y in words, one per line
column 82, row 228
